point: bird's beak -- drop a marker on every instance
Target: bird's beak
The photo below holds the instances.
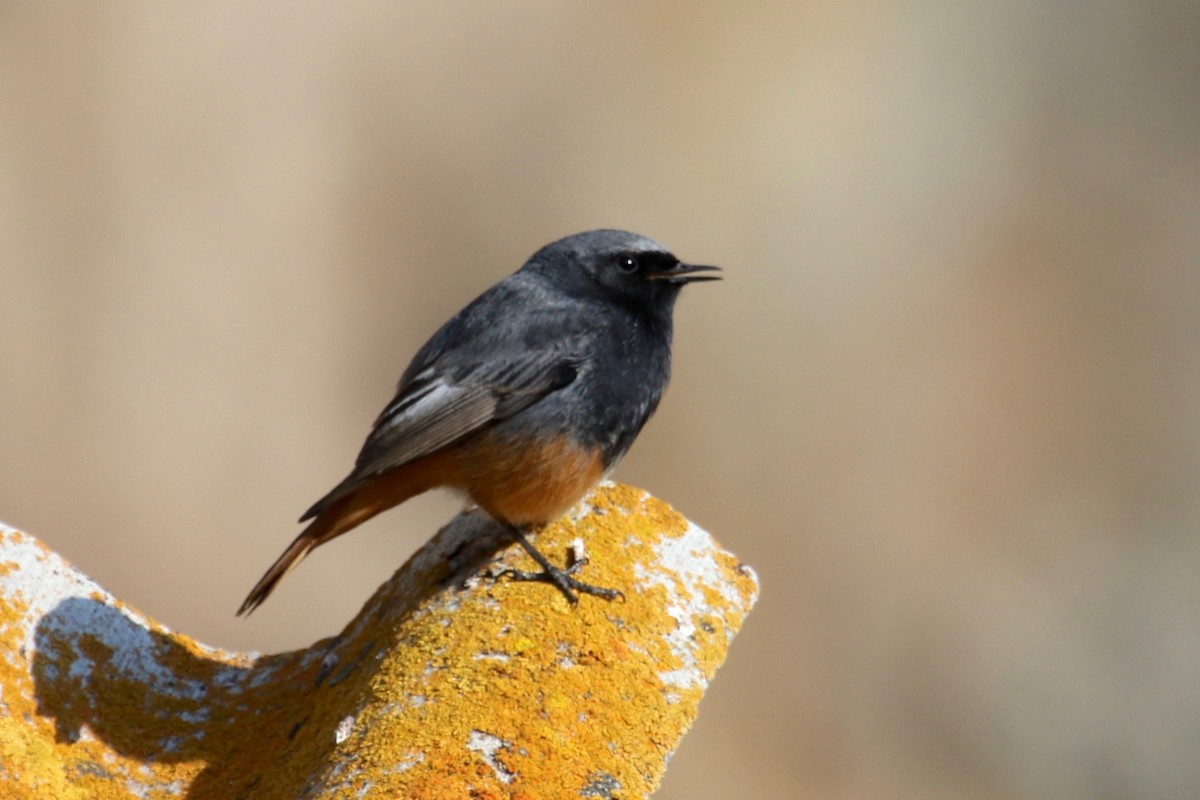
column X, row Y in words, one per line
column 685, row 273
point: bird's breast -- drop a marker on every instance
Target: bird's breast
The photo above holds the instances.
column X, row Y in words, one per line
column 528, row 479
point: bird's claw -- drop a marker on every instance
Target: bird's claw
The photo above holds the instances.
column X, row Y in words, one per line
column 562, row 580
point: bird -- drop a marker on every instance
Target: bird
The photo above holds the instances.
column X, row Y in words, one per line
column 524, row 400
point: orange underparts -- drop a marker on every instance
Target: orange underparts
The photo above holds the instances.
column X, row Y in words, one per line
column 520, row 482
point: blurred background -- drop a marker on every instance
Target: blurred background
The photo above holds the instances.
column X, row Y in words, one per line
column 947, row 400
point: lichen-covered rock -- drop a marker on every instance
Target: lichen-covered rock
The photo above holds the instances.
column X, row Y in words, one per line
column 451, row 682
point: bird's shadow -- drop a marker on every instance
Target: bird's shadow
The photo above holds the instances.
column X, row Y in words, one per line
column 154, row 697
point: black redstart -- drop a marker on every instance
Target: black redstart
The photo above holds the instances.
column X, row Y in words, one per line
column 524, row 400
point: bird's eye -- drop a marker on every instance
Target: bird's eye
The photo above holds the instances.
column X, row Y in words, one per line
column 627, row 264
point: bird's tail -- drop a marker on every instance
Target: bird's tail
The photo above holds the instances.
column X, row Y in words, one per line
column 347, row 513
column 350, row 504
column 292, row 556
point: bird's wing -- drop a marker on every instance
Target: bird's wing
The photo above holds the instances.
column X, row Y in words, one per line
column 435, row 410
column 437, row 406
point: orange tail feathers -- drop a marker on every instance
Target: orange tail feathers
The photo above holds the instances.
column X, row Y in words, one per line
column 291, row 557
column 347, row 513
column 344, row 515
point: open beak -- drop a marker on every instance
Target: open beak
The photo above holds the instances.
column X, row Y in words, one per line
column 685, row 273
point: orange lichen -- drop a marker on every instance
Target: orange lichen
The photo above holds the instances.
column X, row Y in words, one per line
column 495, row 689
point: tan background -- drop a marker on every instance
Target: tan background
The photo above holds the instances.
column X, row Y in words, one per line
column 946, row 400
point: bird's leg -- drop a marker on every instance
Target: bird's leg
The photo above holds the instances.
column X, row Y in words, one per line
column 560, row 578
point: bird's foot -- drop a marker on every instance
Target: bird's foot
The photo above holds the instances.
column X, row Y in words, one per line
column 561, row 579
